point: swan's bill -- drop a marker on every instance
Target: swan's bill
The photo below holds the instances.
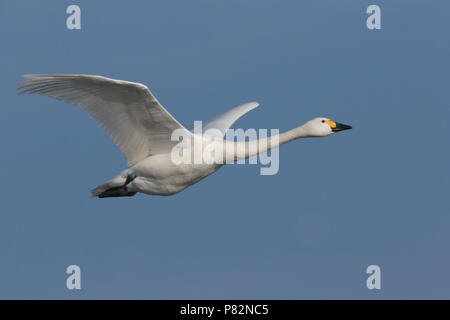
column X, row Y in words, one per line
column 339, row 127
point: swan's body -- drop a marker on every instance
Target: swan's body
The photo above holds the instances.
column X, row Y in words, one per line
column 158, row 175
column 142, row 129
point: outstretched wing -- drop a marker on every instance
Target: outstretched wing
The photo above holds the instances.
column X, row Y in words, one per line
column 226, row 120
column 127, row 111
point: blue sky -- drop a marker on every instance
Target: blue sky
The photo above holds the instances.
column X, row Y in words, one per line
column 377, row 194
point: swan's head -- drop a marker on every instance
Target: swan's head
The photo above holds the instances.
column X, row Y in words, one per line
column 322, row 127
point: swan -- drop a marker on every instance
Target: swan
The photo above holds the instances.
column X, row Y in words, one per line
column 142, row 129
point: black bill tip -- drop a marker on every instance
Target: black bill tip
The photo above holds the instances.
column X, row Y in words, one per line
column 341, row 127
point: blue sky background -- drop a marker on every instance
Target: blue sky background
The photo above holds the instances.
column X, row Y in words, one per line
column 378, row 194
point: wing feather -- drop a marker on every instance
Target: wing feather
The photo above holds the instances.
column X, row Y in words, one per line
column 127, row 111
column 226, row 120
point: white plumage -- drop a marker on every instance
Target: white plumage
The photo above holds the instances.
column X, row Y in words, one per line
column 142, row 129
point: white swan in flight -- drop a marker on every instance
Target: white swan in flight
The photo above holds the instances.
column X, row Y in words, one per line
column 142, row 129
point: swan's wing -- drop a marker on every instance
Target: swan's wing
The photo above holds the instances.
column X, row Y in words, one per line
column 226, row 120
column 127, row 111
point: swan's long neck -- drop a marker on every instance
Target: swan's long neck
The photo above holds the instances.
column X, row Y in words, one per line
column 299, row 132
column 246, row 149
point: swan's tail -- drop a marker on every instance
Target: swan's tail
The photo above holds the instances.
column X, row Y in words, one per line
column 116, row 187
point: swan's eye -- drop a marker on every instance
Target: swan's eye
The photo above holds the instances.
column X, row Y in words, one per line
column 323, row 121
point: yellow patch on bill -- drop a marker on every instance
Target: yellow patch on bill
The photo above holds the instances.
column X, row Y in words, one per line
column 331, row 123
